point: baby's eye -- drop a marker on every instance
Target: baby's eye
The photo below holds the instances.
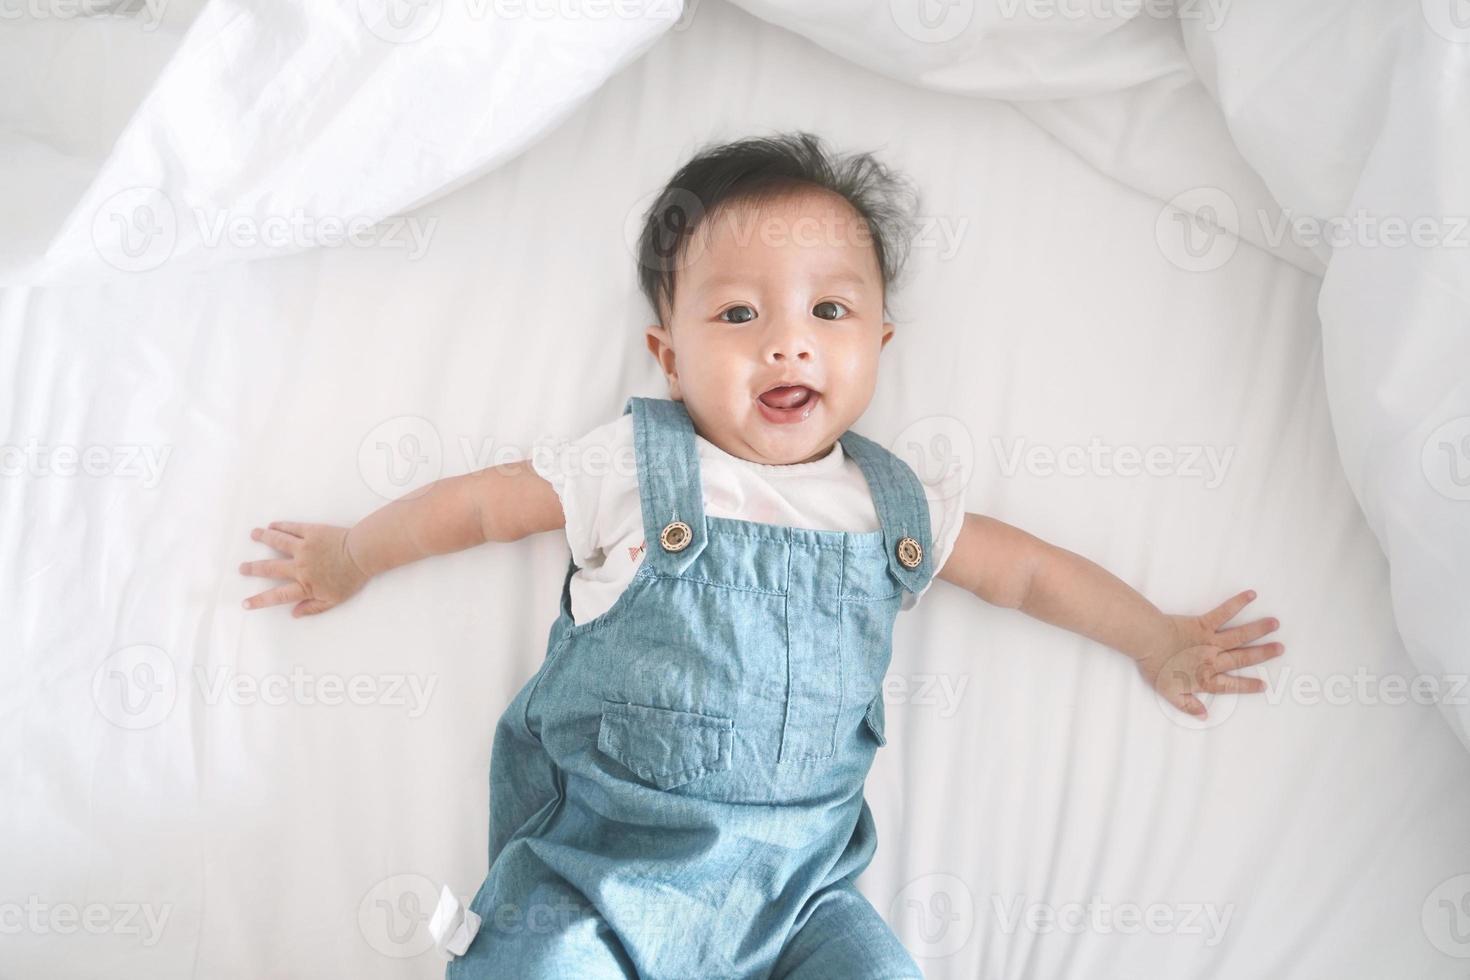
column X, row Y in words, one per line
column 746, row 314
column 829, row 310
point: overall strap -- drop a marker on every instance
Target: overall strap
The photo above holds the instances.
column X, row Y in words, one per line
column 669, row 484
column 903, row 508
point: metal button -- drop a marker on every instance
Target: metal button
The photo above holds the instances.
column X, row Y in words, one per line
column 676, row 536
column 909, row 552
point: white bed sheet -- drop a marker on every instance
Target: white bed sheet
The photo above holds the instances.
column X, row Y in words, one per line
column 304, row 839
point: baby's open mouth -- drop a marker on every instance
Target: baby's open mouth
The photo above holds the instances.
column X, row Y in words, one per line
column 788, row 403
column 788, row 396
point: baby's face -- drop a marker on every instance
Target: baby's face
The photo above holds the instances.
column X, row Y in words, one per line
column 773, row 340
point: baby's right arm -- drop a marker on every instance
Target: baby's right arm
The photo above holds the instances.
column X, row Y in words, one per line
column 327, row 565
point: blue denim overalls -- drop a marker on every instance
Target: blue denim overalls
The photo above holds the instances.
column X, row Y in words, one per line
column 677, row 794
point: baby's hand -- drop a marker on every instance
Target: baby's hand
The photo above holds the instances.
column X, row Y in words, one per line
column 323, row 573
column 1197, row 653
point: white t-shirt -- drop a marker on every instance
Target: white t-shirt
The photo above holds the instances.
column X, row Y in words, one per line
column 596, row 478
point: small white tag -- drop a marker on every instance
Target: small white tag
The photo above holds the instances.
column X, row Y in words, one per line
column 452, row 925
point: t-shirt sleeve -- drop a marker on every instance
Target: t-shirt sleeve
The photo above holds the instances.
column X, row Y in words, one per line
column 946, row 516
column 592, row 476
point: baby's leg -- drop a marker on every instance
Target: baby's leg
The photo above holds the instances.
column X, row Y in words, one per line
column 843, row 938
column 537, row 927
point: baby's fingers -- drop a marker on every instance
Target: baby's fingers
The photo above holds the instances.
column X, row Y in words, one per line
column 270, row 568
column 310, row 607
column 1248, row 656
column 276, row 596
column 291, row 527
column 1188, row 703
column 1231, row 684
column 1239, row 636
column 279, row 540
column 1225, row 611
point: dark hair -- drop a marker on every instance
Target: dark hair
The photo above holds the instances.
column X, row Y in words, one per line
column 765, row 167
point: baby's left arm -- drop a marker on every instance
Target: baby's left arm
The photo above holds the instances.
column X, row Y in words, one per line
column 1178, row 655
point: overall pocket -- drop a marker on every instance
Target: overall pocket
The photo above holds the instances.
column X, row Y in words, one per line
column 665, row 746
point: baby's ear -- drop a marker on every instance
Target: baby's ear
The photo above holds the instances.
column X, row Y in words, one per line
column 661, row 346
column 888, row 329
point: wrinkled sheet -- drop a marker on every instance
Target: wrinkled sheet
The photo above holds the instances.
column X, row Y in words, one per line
column 226, row 794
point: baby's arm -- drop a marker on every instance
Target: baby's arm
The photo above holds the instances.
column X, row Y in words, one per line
column 1178, row 655
column 327, row 564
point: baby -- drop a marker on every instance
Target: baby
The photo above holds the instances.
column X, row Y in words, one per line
column 678, row 791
